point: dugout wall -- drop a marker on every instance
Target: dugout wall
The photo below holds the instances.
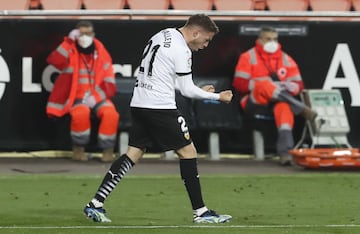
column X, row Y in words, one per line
column 328, row 53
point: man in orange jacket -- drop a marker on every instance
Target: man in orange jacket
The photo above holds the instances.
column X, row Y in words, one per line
column 268, row 79
column 84, row 87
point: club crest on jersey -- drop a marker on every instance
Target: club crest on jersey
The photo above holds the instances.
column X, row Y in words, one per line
column 187, row 135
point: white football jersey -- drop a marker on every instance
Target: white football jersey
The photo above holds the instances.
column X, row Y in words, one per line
column 165, row 55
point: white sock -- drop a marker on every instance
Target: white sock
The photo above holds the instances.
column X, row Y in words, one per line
column 200, row 211
column 96, row 203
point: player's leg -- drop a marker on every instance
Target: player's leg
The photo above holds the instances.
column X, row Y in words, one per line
column 94, row 209
column 190, row 176
column 170, row 132
column 117, row 171
column 138, row 137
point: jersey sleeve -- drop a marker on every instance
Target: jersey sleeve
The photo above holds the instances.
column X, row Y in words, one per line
column 190, row 90
column 182, row 60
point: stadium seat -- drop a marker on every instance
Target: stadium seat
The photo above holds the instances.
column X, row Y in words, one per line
column 121, row 101
column 259, row 5
column 263, row 133
column 210, row 115
column 356, row 5
column 233, row 5
column 192, row 5
column 148, row 5
column 61, row 5
column 104, row 4
column 286, row 5
column 13, row 5
column 34, row 5
column 330, row 5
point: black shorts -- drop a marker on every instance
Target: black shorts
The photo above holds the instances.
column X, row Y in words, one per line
column 165, row 129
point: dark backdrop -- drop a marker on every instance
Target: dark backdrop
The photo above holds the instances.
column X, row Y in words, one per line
column 24, row 125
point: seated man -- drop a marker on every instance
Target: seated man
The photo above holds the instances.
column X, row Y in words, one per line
column 268, row 79
column 84, row 87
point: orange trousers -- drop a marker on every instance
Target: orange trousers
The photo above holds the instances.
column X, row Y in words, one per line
column 80, row 125
column 265, row 92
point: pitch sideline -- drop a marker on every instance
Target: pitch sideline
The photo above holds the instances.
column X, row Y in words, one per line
column 189, row 226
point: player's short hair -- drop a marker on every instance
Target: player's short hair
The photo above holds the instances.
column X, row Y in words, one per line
column 265, row 30
column 84, row 23
column 202, row 21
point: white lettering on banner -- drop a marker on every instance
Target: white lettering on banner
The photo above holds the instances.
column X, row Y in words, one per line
column 46, row 77
column 124, row 70
column 136, row 72
column 342, row 56
column 27, row 85
column 4, row 75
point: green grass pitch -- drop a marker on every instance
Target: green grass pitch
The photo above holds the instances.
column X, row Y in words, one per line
column 296, row 203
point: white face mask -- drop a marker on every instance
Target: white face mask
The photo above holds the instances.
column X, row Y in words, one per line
column 85, row 41
column 271, row 47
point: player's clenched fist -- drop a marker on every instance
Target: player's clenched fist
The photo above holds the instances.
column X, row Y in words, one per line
column 226, row 96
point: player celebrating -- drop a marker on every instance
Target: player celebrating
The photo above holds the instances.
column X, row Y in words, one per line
column 166, row 64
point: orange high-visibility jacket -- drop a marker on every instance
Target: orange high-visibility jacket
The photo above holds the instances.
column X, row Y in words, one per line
column 256, row 65
column 66, row 58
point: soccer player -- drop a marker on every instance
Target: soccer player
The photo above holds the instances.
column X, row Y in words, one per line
column 166, row 65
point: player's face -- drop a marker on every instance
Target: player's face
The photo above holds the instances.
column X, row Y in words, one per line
column 200, row 40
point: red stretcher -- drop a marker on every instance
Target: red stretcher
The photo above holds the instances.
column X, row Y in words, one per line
column 326, row 157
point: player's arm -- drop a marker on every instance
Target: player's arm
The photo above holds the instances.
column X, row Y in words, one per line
column 188, row 89
column 184, row 83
